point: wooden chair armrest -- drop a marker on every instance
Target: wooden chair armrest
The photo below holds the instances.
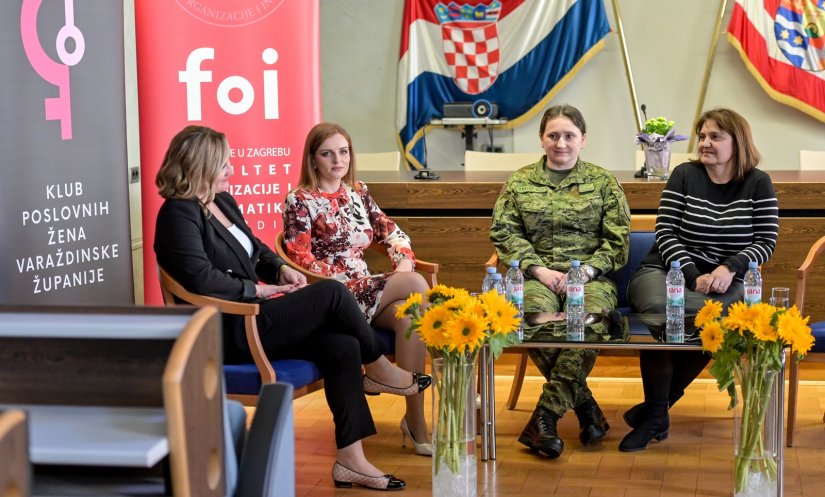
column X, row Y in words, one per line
column 493, row 260
column 279, row 249
column 171, row 288
column 802, row 272
column 430, row 269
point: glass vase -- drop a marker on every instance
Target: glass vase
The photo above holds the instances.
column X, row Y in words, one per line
column 455, row 471
column 755, row 430
column 657, row 160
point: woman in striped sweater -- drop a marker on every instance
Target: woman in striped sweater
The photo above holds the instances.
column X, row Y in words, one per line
column 716, row 214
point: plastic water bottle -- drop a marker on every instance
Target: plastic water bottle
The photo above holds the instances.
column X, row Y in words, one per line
column 497, row 283
column 675, row 310
column 488, row 279
column 514, row 290
column 753, row 284
column 575, row 302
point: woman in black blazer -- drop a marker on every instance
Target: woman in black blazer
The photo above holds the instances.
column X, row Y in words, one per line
column 202, row 241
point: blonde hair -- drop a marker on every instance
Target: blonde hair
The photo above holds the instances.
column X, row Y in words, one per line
column 317, row 135
column 194, row 160
column 745, row 155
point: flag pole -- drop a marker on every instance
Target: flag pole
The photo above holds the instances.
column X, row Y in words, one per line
column 628, row 72
column 708, row 67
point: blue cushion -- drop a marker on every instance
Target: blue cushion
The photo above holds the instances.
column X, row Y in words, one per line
column 640, row 244
column 243, row 379
column 818, row 330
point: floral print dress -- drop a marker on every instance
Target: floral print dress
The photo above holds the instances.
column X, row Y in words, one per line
column 327, row 233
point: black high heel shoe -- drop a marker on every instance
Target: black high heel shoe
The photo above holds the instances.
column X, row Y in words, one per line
column 345, row 477
column 420, row 383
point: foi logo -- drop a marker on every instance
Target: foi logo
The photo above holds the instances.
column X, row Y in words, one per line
column 57, row 108
column 193, row 77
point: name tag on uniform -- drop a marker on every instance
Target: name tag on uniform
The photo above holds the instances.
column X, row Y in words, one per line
column 586, row 187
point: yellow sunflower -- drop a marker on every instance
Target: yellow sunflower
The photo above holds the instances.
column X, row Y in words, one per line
column 432, row 327
column 762, row 329
column 738, row 318
column 794, row 330
column 440, row 293
column 466, row 332
column 712, row 336
column 710, row 312
column 414, row 300
column 501, row 314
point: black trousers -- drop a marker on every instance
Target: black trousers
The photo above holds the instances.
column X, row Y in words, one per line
column 666, row 373
column 323, row 323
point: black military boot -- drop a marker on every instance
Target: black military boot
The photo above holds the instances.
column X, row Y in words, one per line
column 540, row 433
column 592, row 422
column 655, row 426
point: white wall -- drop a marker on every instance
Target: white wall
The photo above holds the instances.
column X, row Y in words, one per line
column 667, row 42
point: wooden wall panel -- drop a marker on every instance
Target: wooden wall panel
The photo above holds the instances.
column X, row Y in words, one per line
column 449, row 221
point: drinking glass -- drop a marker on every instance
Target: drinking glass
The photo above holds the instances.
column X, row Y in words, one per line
column 780, row 297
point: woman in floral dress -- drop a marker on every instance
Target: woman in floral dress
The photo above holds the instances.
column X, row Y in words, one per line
column 329, row 221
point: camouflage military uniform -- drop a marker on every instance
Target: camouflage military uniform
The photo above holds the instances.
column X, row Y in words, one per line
column 584, row 217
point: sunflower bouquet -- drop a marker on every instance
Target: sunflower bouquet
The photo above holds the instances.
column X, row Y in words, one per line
column 747, row 347
column 454, row 327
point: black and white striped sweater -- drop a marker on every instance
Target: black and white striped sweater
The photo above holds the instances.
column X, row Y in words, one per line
column 703, row 224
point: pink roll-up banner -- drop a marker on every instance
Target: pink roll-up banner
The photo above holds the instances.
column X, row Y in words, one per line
column 248, row 68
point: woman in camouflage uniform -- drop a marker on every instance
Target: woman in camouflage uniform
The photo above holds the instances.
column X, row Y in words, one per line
column 548, row 214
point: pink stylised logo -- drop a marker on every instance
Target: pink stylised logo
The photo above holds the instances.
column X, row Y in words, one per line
column 57, row 108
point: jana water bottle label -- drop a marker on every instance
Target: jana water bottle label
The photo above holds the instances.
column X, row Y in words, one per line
column 675, row 295
column 517, row 295
column 753, row 294
column 575, row 294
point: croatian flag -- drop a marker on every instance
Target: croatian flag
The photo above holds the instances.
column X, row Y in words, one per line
column 514, row 53
column 782, row 42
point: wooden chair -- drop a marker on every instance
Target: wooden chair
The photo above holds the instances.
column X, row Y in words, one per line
column 378, row 161
column 303, row 375
column 15, row 473
column 497, row 161
column 811, row 160
column 202, row 463
column 817, row 353
column 428, row 269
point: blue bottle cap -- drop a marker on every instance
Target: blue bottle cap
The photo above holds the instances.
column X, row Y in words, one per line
column 491, row 270
column 496, row 276
column 575, row 263
column 514, row 263
column 675, row 264
column 753, row 265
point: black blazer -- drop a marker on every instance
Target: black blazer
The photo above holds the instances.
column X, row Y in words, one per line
column 201, row 254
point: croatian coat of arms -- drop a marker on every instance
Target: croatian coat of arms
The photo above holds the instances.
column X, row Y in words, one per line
column 469, row 36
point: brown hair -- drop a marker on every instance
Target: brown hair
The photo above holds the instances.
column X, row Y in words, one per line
column 192, row 164
column 745, row 155
column 318, row 135
column 563, row 110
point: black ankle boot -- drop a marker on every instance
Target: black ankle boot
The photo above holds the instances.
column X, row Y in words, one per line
column 540, row 433
column 655, row 426
column 636, row 414
column 592, row 422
